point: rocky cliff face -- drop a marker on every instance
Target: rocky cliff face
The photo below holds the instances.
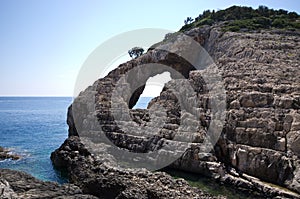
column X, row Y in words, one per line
column 261, row 74
column 261, row 134
column 260, row 140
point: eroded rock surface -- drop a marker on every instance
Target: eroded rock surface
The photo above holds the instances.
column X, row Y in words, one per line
column 99, row 178
column 16, row 184
column 260, row 139
column 261, row 73
column 261, row 76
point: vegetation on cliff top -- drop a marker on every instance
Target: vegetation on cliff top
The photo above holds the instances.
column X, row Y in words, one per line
column 238, row 18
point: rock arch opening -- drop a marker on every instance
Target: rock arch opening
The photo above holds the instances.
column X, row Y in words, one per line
column 152, row 89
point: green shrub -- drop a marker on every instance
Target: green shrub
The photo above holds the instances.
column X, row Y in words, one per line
column 231, row 28
column 206, row 21
column 187, row 27
column 279, row 23
column 295, row 24
column 264, row 22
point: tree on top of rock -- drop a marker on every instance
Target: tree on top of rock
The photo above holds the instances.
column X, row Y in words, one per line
column 188, row 20
column 135, row 52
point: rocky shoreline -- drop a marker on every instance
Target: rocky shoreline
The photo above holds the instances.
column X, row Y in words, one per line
column 91, row 178
column 100, row 178
column 16, row 184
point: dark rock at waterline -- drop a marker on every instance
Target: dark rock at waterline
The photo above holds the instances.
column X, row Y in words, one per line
column 6, row 154
column 99, row 178
column 16, row 184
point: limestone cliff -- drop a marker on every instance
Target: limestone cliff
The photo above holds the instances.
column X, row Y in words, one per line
column 261, row 135
column 262, row 77
column 260, row 140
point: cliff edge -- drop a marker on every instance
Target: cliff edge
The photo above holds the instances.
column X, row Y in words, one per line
column 258, row 148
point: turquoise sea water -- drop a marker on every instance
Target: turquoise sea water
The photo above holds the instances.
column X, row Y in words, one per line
column 33, row 127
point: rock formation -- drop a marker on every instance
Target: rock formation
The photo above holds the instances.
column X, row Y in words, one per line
column 16, row 184
column 259, row 141
column 260, row 71
column 99, row 178
column 261, row 74
column 5, row 154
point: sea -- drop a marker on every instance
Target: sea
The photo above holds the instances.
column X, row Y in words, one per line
column 33, row 127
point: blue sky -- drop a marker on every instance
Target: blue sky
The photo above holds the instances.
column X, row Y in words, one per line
column 44, row 43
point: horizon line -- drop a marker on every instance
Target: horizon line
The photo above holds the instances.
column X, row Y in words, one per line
column 34, row 96
column 51, row 96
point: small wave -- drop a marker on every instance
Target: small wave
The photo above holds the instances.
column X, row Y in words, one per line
column 5, row 160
